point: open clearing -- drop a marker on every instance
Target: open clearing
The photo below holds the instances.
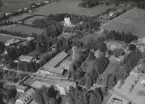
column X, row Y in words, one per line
column 71, row 6
column 131, row 21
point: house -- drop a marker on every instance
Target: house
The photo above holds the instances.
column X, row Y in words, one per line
column 26, row 58
column 115, row 44
column 26, row 98
column 21, row 89
column 51, row 66
column 12, row 41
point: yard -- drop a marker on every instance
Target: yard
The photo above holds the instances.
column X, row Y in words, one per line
column 131, row 21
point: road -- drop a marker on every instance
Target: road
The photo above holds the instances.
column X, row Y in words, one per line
column 35, row 74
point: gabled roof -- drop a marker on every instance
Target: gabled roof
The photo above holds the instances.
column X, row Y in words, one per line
column 25, row 58
column 56, row 60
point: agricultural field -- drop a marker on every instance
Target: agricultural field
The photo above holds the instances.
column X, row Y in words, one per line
column 71, row 6
column 14, row 5
column 20, row 17
column 131, row 21
column 25, row 29
column 30, row 20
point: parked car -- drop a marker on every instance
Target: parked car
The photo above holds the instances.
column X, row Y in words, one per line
column 8, row 14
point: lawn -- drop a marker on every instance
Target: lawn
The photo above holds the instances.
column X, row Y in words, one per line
column 71, row 6
column 132, row 21
column 111, row 69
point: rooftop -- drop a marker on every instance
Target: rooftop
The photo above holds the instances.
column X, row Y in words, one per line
column 12, row 41
column 25, row 58
column 131, row 21
column 56, row 60
column 38, row 83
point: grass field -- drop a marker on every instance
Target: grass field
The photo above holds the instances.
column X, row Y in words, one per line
column 30, row 20
column 71, row 6
column 13, row 5
column 24, row 29
column 132, row 21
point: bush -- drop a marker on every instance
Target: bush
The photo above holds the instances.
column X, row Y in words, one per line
column 89, row 3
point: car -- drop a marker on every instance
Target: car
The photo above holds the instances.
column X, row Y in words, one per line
column 8, row 14
column 38, row 4
column 47, row 2
column 19, row 10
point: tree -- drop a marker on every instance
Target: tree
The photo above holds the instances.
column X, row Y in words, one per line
column 110, row 52
column 132, row 47
column 89, row 82
column 111, row 81
column 132, row 60
column 118, row 52
column 101, row 64
column 41, row 45
column 94, row 75
column 82, row 81
column 91, row 56
column 95, row 99
column 102, row 47
column 52, row 101
column 91, row 44
column 2, row 47
column 38, row 98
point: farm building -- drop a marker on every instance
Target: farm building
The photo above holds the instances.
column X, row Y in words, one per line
column 51, row 66
column 26, row 58
column 131, row 21
column 56, row 60
column 115, row 44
